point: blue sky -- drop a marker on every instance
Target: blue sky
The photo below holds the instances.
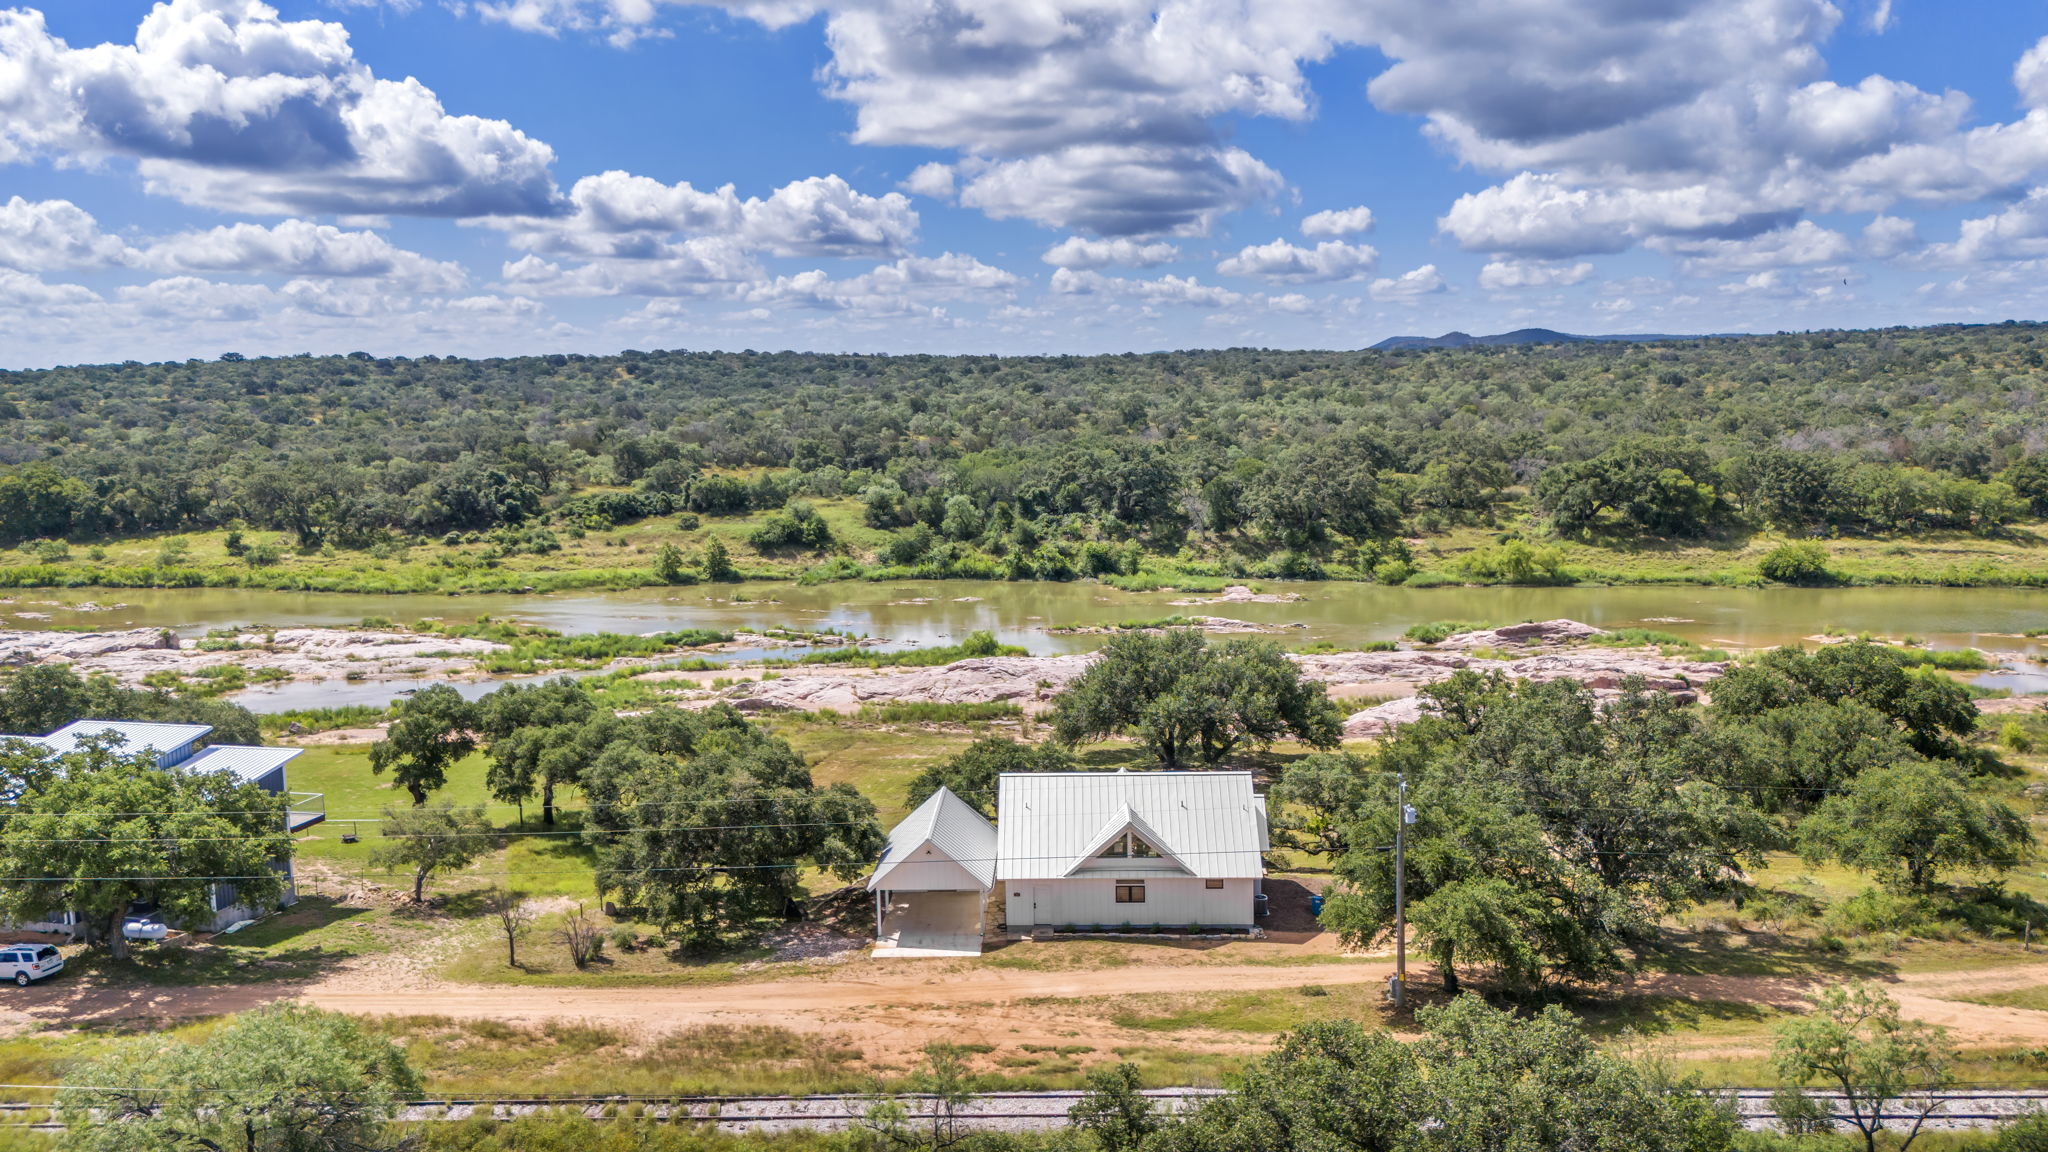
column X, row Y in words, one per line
column 484, row 177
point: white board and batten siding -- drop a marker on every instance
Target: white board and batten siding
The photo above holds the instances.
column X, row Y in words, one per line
column 1195, row 849
column 1174, row 902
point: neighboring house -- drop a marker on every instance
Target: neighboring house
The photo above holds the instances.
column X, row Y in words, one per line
column 1075, row 849
column 176, row 746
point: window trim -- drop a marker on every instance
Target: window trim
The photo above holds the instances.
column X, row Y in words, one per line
column 1213, row 885
column 1130, row 891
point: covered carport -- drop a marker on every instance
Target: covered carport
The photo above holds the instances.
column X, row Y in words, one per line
column 931, row 886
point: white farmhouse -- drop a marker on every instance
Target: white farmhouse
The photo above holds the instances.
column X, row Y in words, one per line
column 1074, row 850
column 1106, row 849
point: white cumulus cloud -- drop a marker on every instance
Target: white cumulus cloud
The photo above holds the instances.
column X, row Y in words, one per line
column 1409, row 285
column 300, row 248
column 1283, row 262
column 934, row 180
column 2030, row 75
column 623, row 216
column 1084, row 252
column 1338, row 222
column 1505, row 275
column 40, row 235
column 225, row 104
column 1184, row 290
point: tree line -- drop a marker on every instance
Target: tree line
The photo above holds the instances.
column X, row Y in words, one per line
column 1556, row 834
column 1047, row 467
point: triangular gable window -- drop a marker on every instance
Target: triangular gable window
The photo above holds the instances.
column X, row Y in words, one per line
column 1123, row 841
column 1129, row 846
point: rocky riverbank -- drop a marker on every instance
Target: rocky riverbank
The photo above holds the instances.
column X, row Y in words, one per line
column 1550, row 650
column 132, row 656
column 1556, row 651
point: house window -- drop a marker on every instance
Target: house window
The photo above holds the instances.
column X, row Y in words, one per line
column 1129, row 846
column 1130, row 893
column 1212, row 885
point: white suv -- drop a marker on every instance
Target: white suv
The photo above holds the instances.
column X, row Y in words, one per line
column 23, row 963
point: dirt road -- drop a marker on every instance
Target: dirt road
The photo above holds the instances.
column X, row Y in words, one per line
column 894, row 1008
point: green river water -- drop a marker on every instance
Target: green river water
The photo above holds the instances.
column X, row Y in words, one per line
column 922, row 613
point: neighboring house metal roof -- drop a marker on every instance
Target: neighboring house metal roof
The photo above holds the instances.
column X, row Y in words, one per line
column 949, row 824
column 1210, row 823
column 251, row 764
column 134, row 735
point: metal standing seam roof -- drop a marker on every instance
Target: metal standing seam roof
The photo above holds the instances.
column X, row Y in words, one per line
column 251, row 764
column 1211, row 822
column 135, row 735
column 952, row 826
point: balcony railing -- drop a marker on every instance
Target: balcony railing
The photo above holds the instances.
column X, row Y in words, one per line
column 306, row 810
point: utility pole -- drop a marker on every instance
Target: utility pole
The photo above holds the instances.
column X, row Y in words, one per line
column 1404, row 817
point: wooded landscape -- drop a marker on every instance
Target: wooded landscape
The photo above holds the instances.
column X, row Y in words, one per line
column 1264, row 463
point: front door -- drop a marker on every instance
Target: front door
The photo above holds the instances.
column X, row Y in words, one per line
column 1041, row 904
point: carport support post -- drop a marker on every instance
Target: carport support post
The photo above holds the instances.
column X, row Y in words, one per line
column 880, row 896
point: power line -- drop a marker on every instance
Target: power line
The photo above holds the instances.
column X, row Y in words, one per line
column 598, row 870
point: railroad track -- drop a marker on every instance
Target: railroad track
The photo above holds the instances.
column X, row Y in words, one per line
column 1960, row 1109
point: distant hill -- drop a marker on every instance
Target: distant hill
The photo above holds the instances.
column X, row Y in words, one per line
column 1518, row 336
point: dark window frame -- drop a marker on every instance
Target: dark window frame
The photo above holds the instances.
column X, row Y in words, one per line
column 1130, row 891
column 1212, row 885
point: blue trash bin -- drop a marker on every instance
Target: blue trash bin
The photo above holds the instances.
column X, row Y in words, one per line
column 1315, row 904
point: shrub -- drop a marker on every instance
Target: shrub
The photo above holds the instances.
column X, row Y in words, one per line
column 582, row 938
column 1393, row 571
column 2027, row 1134
column 1438, row 631
column 2013, row 737
column 1515, row 562
column 1801, row 563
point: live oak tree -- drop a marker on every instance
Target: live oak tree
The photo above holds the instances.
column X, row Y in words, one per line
column 1907, row 823
column 434, row 729
column 1792, row 757
column 99, row 829
column 1855, row 1042
column 1319, row 798
column 540, row 738
column 1934, row 714
column 701, row 820
column 432, row 838
column 283, row 1078
column 972, row 774
column 1552, row 835
column 1183, row 698
column 1479, row 1080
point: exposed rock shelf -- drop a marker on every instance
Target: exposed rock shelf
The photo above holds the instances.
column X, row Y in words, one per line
column 1031, row 682
column 300, row 653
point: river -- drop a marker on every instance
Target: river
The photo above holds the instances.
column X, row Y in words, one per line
column 924, row 613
